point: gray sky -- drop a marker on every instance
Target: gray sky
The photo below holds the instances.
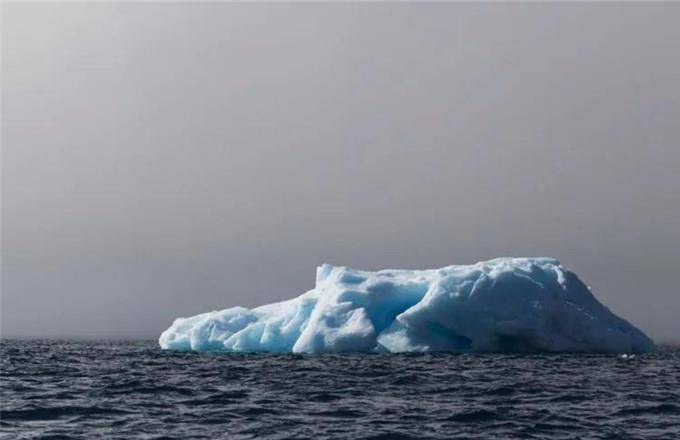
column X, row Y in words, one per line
column 161, row 160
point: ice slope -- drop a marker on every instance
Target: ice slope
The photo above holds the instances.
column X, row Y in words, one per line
column 505, row 304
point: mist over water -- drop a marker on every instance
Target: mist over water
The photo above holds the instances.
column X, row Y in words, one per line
column 166, row 159
column 84, row 390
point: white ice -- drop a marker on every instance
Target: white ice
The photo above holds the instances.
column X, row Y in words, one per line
column 505, row 304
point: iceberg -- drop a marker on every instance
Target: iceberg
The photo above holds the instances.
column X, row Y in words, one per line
column 501, row 305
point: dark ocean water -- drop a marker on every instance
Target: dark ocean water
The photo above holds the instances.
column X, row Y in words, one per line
column 66, row 389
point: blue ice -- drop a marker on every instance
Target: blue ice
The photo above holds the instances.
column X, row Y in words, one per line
column 501, row 305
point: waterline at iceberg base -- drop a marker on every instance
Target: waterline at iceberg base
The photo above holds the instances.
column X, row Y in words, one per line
column 501, row 305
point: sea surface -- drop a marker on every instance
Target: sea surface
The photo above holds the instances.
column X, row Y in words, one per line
column 88, row 390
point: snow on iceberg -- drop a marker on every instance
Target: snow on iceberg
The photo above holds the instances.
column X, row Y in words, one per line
column 505, row 304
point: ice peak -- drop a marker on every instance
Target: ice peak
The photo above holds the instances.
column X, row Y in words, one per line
column 504, row 304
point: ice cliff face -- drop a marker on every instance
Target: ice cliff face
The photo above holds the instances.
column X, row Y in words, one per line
column 506, row 304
